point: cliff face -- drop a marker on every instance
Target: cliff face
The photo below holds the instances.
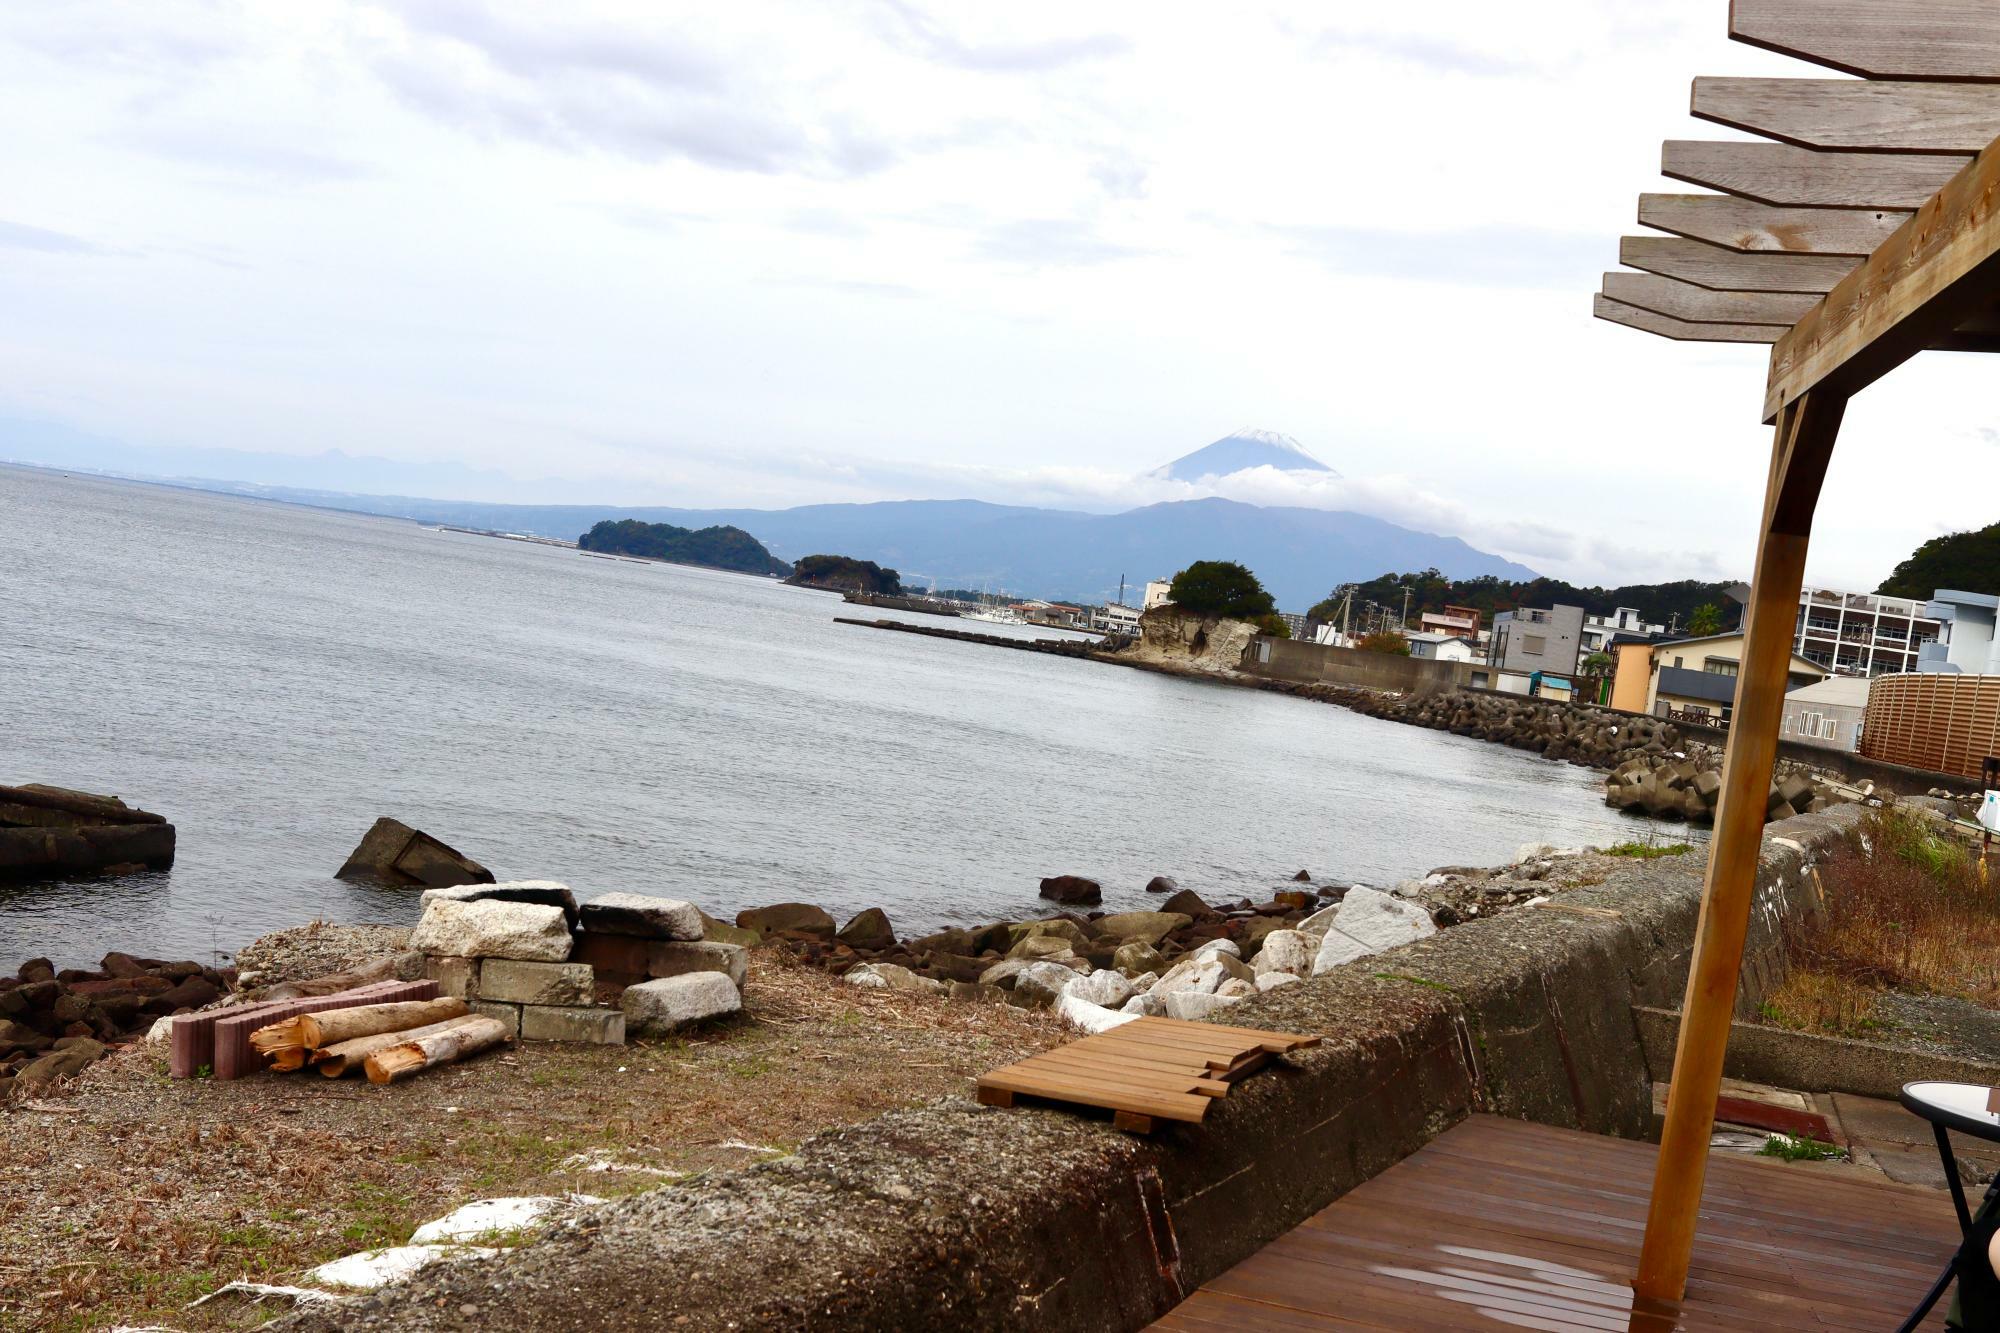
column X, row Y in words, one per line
column 1170, row 636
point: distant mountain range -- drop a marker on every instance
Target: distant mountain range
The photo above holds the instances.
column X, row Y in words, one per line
column 1300, row 554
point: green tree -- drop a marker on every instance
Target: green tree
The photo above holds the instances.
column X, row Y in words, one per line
column 1384, row 641
column 1966, row 561
column 1220, row 588
column 1705, row 619
column 1273, row 626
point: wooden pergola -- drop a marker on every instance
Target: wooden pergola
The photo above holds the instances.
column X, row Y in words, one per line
column 1867, row 232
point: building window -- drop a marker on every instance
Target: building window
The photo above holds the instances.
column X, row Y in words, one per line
column 1679, row 663
column 1534, row 644
column 1716, row 666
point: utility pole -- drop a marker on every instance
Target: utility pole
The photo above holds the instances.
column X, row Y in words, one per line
column 1406, row 608
column 1346, row 615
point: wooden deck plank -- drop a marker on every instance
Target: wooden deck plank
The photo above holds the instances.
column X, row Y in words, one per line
column 1500, row 1224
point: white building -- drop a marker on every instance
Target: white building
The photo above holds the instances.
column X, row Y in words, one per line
column 1966, row 643
column 1156, row 593
column 1597, row 630
column 1861, row 634
column 1828, row 713
column 1441, row 647
column 1118, row 619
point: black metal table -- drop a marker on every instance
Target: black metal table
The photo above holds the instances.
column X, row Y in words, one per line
column 1961, row 1107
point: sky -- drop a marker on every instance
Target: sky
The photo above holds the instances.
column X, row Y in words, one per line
column 763, row 253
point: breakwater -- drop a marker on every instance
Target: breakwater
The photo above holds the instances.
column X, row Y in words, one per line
column 923, row 606
column 1059, row 647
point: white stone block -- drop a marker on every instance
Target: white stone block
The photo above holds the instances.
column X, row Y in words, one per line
column 668, row 1004
column 492, row 929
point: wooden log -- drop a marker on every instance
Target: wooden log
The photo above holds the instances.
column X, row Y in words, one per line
column 346, row 1057
column 1851, row 115
column 289, row 1060
column 273, row 1038
column 1877, row 39
column 440, row 1048
column 333, row 1026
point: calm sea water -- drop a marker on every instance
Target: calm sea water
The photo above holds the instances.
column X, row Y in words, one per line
column 272, row 678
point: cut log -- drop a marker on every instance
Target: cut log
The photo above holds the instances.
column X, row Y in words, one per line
column 330, row 1027
column 346, row 1057
column 282, row 1035
column 440, row 1048
column 288, row 1059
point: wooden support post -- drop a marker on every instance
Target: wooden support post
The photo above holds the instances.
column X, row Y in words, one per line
column 1805, row 435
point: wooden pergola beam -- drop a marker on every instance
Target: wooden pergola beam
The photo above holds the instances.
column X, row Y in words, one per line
column 1786, row 175
column 1777, row 311
column 1744, row 224
column 1878, row 39
column 1940, row 270
column 1799, row 456
column 1680, row 330
column 1852, row 114
column 1730, row 270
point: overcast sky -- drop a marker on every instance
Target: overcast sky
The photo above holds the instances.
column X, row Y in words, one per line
column 776, row 253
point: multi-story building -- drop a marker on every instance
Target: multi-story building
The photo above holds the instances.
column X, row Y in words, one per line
column 1460, row 622
column 1156, row 593
column 1627, row 624
column 1966, row 642
column 1862, row 634
column 1527, row 640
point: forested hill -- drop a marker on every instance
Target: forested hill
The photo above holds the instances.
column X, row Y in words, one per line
column 718, row 547
column 1964, row 561
column 840, row 573
column 1661, row 603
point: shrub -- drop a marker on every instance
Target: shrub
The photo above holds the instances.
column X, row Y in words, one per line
column 1384, row 641
column 1904, row 910
column 1274, row 626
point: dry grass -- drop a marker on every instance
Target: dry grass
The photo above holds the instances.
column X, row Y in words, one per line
column 1906, row 910
column 129, row 1194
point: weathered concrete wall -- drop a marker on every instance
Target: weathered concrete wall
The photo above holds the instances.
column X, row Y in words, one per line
column 1785, row 1059
column 1309, row 663
column 960, row 1216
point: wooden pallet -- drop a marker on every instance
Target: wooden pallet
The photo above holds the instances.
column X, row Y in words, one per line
column 1144, row 1071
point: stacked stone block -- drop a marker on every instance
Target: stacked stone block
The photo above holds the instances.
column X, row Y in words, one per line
column 527, row 954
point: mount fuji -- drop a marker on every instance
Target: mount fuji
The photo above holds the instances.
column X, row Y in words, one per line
column 1239, row 452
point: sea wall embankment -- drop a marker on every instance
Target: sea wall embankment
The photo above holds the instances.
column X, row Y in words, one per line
column 954, row 1214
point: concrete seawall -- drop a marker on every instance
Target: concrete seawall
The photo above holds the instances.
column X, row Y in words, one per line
column 958, row 1215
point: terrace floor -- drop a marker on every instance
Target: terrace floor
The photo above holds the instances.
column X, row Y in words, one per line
column 1503, row 1224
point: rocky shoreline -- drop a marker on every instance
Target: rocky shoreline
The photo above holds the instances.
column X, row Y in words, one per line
column 1187, row 960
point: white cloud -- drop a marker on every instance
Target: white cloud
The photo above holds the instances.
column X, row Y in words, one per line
column 772, row 251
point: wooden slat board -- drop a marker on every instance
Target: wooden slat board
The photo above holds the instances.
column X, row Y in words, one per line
column 1143, row 1071
column 1853, row 114
column 1745, row 224
column 1501, row 1224
column 1779, row 173
column 1728, row 270
column 1703, row 305
column 1879, row 39
column 1682, row 330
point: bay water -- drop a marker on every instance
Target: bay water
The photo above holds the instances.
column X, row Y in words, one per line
column 272, row 677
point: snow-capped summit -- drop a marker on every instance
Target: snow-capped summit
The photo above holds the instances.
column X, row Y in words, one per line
column 1241, row 450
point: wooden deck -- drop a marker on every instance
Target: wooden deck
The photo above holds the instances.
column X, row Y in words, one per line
column 1502, row 1224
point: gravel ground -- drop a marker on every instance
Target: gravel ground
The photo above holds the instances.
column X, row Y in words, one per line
column 130, row 1194
column 314, row 950
column 1942, row 1024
